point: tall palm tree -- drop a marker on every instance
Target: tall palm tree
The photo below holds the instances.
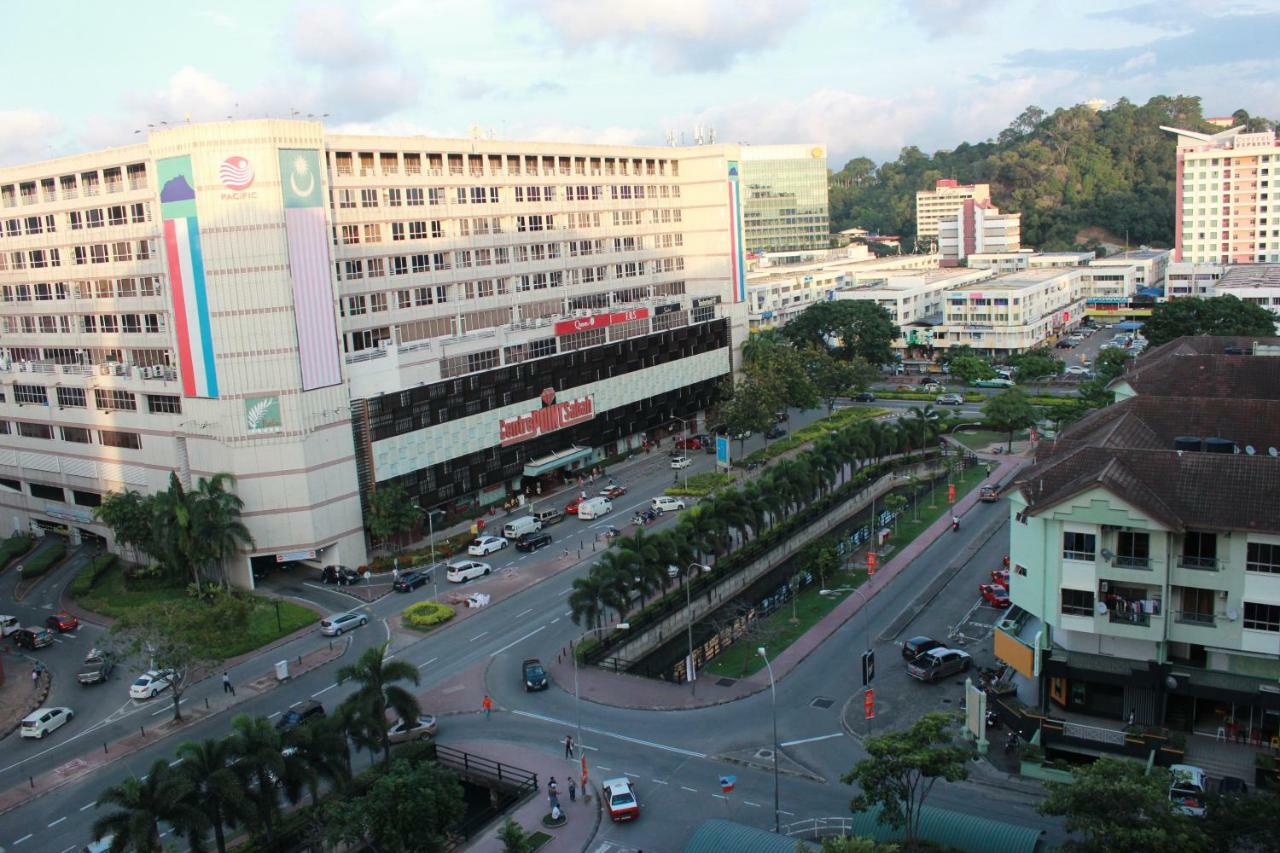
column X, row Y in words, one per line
column 259, row 764
column 175, row 531
column 380, row 693
column 163, row 795
column 215, row 788
column 217, row 519
column 586, row 600
column 315, row 753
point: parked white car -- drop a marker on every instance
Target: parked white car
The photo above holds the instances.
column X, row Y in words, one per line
column 461, row 571
column 486, row 545
column 41, row 721
column 9, row 624
column 150, row 683
column 339, row 623
column 665, row 504
column 1076, row 370
column 681, row 462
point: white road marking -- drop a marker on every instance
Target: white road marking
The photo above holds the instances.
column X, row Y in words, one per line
column 523, row 612
column 175, row 762
column 555, row 620
column 626, row 738
column 299, row 702
column 323, row 690
column 568, row 613
column 169, row 708
column 273, row 716
column 514, row 642
column 720, row 796
column 387, row 625
column 690, row 790
column 602, row 767
column 69, row 849
column 659, row 782
column 428, row 663
column 782, row 811
column 478, row 636
column 22, row 839
column 632, row 775
column 811, row 739
column 565, row 591
column 87, row 806
column 58, row 821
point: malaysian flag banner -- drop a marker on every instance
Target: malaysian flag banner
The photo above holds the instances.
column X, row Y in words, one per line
column 186, row 276
column 308, row 235
column 737, row 252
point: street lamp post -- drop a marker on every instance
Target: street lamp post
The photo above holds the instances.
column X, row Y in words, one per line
column 673, row 572
column 773, row 699
column 577, row 706
column 684, row 430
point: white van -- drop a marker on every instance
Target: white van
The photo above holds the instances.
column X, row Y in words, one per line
column 594, row 508
column 518, row 527
column 9, row 624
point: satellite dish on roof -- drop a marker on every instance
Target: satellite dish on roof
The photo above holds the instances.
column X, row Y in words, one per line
column 1272, row 451
column 1248, row 448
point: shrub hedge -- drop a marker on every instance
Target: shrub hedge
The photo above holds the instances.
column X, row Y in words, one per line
column 426, row 615
column 89, row 576
column 14, row 547
column 701, row 485
column 812, row 432
column 40, row 563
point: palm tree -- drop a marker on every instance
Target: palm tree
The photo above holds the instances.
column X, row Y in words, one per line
column 258, row 762
column 142, row 804
column 379, row 692
column 176, row 538
column 217, row 519
column 215, row 788
column 617, row 569
column 586, row 601
column 316, row 752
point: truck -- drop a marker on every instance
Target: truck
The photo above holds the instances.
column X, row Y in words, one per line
column 97, row 666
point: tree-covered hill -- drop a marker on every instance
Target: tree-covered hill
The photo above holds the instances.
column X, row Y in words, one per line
column 1065, row 172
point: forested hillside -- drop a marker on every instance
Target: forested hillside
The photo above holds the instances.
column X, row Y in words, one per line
column 1064, row 172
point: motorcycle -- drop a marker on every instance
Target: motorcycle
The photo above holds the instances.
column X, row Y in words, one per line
column 955, row 524
column 1011, row 742
column 993, row 720
column 612, row 533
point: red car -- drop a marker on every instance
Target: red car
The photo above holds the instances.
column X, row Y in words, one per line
column 614, row 491
column 62, row 622
column 1001, row 577
column 691, row 443
column 572, row 506
column 994, row 594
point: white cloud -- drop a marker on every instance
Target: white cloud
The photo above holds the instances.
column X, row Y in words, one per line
column 27, row 135
column 1146, row 59
column 942, row 18
column 332, row 35
column 679, row 35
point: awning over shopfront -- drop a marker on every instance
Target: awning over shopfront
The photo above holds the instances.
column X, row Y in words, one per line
column 538, row 467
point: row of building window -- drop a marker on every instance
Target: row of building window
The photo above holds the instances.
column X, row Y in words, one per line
column 54, row 493
column 1199, row 551
column 370, row 197
column 396, row 265
column 104, row 288
column 75, row 435
column 1197, row 608
column 113, row 178
column 105, row 399
column 344, row 163
column 92, row 324
column 93, row 217
column 122, row 251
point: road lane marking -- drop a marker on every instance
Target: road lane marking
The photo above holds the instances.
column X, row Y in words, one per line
column 428, row 663
column 58, row 821
column 632, row 775
column 782, row 811
column 323, row 690
column 523, row 612
column 175, row 762
column 273, row 716
column 565, row 591
column 87, row 806
column 749, row 803
column 299, row 702
column 811, row 739
column 478, row 636
column 568, row 613
column 555, row 620
column 626, row 738
column 514, row 642
column 602, row 767
column 690, row 790
column 22, row 839
column 69, row 849
column 720, row 796
column 659, row 781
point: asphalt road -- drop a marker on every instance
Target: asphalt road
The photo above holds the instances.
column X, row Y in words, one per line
column 675, row 758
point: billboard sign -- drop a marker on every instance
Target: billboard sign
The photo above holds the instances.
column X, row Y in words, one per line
column 722, row 451
column 547, row 419
column 184, row 255
column 600, row 321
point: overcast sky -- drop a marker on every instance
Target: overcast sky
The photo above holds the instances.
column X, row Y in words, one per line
column 864, row 77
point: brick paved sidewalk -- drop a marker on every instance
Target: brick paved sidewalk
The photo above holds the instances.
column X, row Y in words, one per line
column 150, row 732
column 584, row 816
column 631, row 691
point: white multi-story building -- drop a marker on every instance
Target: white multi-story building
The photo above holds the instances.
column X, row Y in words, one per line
column 1028, row 259
column 1015, row 312
column 1225, row 208
column 1256, row 283
column 776, row 294
column 325, row 315
column 977, row 227
column 915, row 300
column 1150, row 265
column 1183, row 279
column 945, row 199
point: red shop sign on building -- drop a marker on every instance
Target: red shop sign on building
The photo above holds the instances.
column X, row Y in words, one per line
column 546, row 419
column 599, row 321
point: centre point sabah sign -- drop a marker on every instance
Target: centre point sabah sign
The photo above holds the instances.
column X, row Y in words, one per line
column 551, row 417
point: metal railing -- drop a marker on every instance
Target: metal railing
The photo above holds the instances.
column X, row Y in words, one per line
column 817, row 827
column 1125, row 561
column 1126, row 617
column 1204, row 564
column 1188, row 617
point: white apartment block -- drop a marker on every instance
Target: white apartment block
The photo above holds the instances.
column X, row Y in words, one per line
column 1015, row 312
column 1184, row 278
column 1225, row 210
column 1256, row 283
column 776, row 294
column 977, row 227
column 1028, row 259
column 945, row 199
column 915, row 300
column 322, row 315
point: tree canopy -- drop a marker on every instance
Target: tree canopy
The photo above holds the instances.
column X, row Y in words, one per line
column 1218, row 315
column 1008, row 411
column 852, row 327
column 1064, row 171
column 1035, row 363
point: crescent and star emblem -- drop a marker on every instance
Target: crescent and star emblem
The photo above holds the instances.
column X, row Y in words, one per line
column 300, row 170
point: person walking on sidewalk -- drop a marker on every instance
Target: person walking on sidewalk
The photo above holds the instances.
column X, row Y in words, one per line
column 568, row 746
column 487, row 704
column 226, row 684
column 573, row 791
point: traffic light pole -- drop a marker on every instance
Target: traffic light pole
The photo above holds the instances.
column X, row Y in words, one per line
column 868, row 656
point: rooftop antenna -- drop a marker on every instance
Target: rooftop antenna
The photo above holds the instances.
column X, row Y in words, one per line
column 671, row 137
column 711, row 136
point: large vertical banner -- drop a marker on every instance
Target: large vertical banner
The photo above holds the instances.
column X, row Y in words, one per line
column 186, row 277
column 736, row 249
column 308, row 235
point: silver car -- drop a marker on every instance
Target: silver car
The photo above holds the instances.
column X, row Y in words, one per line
column 335, row 625
column 937, row 664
